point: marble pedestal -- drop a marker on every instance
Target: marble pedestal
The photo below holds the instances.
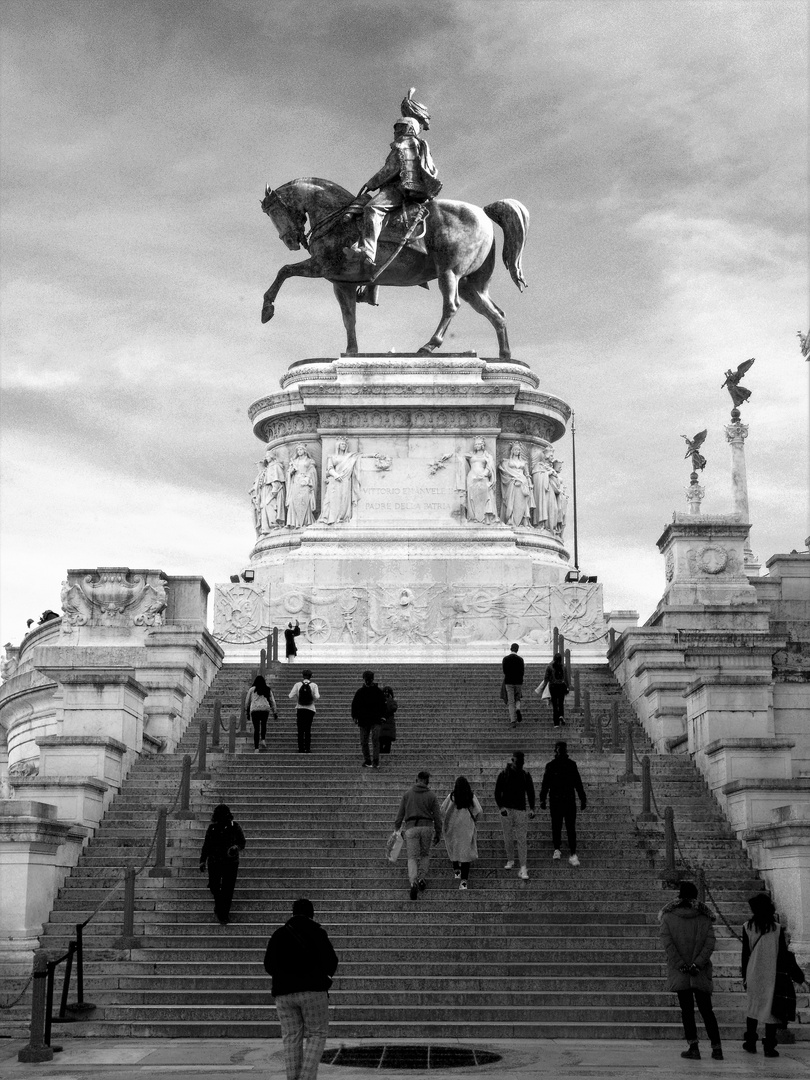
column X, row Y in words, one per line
column 407, row 574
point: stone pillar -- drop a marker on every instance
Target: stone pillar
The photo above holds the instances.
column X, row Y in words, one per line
column 694, row 494
column 736, row 434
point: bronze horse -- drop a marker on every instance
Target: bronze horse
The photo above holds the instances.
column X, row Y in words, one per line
column 460, row 243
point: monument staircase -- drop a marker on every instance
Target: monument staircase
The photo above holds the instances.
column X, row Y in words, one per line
column 573, row 952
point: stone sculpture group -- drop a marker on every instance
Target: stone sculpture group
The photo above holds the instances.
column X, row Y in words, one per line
column 530, row 494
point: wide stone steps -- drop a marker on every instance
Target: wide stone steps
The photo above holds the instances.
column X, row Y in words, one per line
column 573, row 953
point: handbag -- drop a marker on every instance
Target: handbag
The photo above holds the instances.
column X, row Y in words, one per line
column 393, row 845
column 784, row 998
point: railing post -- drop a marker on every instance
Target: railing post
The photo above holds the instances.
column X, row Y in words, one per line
column 611, row 638
column 556, row 642
column 669, row 837
column 37, row 1049
column 201, row 772
column 232, row 734
column 275, row 643
column 49, row 1001
column 160, row 869
column 629, row 776
column 263, row 663
column 561, row 645
column 243, row 716
column 184, row 812
column 576, row 689
column 567, row 659
column 614, row 725
column 127, row 939
column 66, row 982
column 597, row 731
column 701, row 884
column 216, row 726
column 80, row 1005
column 646, row 791
column 586, row 714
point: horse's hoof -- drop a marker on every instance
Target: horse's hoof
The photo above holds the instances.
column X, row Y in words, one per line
column 426, row 350
column 268, row 311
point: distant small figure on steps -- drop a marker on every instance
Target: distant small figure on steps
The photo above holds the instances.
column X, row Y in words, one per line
column 556, row 680
column 290, row 634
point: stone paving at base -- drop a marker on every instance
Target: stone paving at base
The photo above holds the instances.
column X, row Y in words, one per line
column 232, row 1059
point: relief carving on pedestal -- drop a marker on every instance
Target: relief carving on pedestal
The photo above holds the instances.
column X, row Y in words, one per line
column 240, row 614
column 710, row 559
column 111, row 597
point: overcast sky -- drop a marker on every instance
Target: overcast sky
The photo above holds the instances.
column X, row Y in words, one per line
column 661, row 148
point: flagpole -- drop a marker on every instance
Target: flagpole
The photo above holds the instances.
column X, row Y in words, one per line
column 574, row 470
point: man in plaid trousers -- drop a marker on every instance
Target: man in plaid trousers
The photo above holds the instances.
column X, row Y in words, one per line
column 301, row 961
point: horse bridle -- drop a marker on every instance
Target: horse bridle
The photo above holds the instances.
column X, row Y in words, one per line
column 271, row 199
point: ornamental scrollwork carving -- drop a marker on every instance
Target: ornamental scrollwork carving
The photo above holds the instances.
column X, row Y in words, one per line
column 114, row 596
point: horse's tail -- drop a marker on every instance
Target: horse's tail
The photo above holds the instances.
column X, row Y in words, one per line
column 513, row 218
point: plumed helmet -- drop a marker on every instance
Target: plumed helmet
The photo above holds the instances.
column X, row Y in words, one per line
column 410, row 123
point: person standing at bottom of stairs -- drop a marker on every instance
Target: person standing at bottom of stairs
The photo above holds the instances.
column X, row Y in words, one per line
column 514, row 797
column 301, row 961
column 305, row 693
column 419, row 811
column 561, row 785
column 223, row 841
column 687, row 934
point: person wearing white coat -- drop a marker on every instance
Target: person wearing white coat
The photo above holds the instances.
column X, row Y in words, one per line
column 460, row 812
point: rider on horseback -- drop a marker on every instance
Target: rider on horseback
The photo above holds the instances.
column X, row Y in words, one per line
column 408, row 175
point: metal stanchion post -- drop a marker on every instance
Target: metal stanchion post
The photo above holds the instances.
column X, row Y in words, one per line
column 614, row 725
column 561, row 645
column 243, row 716
column 669, row 837
column 576, row 690
column 127, row 939
column 160, row 869
column 80, row 1005
column 232, row 734
column 263, row 663
column 586, row 714
column 597, row 731
column 611, row 639
column 216, row 725
column 201, row 771
column 275, row 643
column 701, row 884
column 629, row 776
column 184, row 812
column 37, row 1049
column 66, row 983
column 646, row 792
column 556, row 641
column 567, row 660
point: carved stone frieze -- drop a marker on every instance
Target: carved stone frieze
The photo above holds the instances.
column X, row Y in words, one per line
column 713, row 560
column 289, row 427
column 412, row 390
column 240, row 613
column 113, row 596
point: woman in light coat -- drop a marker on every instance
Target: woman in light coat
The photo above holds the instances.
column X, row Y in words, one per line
column 460, row 812
column 687, row 934
column 764, row 953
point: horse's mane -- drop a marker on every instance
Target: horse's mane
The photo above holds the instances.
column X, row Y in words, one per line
column 327, row 186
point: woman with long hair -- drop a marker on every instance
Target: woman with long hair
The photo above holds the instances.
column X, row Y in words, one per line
column 460, row 812
column 259, row 703
column 769, row 970
column 556, row 680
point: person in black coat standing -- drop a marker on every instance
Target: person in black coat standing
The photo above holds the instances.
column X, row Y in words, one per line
column 290, row 634
column 512, row 688
column 223, row 841
column 368, row 711
column 301, row 962
column 561, row 785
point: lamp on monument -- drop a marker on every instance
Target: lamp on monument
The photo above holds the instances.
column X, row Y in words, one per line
column 248, row 575
column 234, row 579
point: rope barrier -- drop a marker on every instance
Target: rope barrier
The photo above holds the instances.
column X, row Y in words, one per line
column 19, row 997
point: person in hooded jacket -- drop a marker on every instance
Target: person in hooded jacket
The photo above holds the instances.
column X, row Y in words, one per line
column 223, row 841
column 687, row 934
column 561, row 785
column 301, row 961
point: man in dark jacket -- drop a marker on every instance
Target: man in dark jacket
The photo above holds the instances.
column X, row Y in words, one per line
column 513, row 668
column 687, row 934
column 301, row 961
column 561, row 785
column 223, row 841
column 368, row 710
column 514, row 797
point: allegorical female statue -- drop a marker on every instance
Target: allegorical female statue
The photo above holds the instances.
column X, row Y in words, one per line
column 475, row 482
column 267, row 495
column 302, row 480
column 342, row 484
column 517, row 496
column 541, row 469
column 562, row 498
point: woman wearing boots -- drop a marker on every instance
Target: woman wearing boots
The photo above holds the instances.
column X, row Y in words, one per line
column 687, row 935
column 769, row 970
column 460, row 811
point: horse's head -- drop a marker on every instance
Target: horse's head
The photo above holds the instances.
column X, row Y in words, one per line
column 290, row 221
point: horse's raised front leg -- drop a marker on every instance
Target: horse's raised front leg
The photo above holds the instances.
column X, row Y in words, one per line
column 308, row 269
column 448, row 284
column 346, row 293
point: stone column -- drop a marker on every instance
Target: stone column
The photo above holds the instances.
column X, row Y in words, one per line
column 694, row 494
column 736, row 434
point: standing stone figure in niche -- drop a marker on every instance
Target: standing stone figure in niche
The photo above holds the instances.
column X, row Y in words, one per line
column 517, row 496
column 476, row 487
column 541, row 469
column 267, row 495
column 302, row 480
column 342, row 484
column 562, row 498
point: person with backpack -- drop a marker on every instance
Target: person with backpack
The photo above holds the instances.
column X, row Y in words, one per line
column 460, row 813
column 223, row 841
column 557, row 682
column 305, row 693
column 259, row 703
